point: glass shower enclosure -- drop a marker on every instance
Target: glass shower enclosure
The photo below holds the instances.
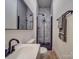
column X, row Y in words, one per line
column 44, row 31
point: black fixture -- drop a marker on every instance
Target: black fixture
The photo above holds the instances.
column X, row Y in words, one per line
column 11, row 48
column 18, row 22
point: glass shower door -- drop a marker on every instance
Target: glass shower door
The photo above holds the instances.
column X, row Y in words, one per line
column 44, row 31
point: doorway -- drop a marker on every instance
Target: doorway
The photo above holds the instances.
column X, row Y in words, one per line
column 44, row 31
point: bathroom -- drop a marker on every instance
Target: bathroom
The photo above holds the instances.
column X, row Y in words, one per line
column 36, row 31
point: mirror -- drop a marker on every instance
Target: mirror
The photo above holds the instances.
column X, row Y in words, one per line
column 25, row 16
column 18, row 15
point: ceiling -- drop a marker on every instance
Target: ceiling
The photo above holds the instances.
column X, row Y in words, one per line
column 44, row 3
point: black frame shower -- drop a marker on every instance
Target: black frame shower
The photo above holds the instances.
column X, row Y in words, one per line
column 48, row 46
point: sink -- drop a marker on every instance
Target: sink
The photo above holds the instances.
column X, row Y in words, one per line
column 25, row 51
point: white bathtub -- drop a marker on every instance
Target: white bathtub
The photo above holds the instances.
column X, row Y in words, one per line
column 25, row 51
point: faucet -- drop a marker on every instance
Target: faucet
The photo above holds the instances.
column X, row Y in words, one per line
column 11, row 48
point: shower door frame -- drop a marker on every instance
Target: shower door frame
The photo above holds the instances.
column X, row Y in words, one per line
column 51, row 32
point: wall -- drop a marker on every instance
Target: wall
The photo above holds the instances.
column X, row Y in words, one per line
column 63, row 50
column 10, row 14
column 31, row 4
column 22, row 35
column 45, row 11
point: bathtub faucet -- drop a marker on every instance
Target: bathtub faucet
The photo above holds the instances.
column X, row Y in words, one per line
column 11, row 47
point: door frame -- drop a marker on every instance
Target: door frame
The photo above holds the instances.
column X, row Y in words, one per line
column 37, row 31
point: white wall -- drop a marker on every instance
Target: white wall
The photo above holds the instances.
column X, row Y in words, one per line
column 11, row 14
column 63, row 50
column 45, row 11
column 31, row 4
column 23, row 35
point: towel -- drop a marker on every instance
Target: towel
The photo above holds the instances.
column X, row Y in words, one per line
column 60, row 22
